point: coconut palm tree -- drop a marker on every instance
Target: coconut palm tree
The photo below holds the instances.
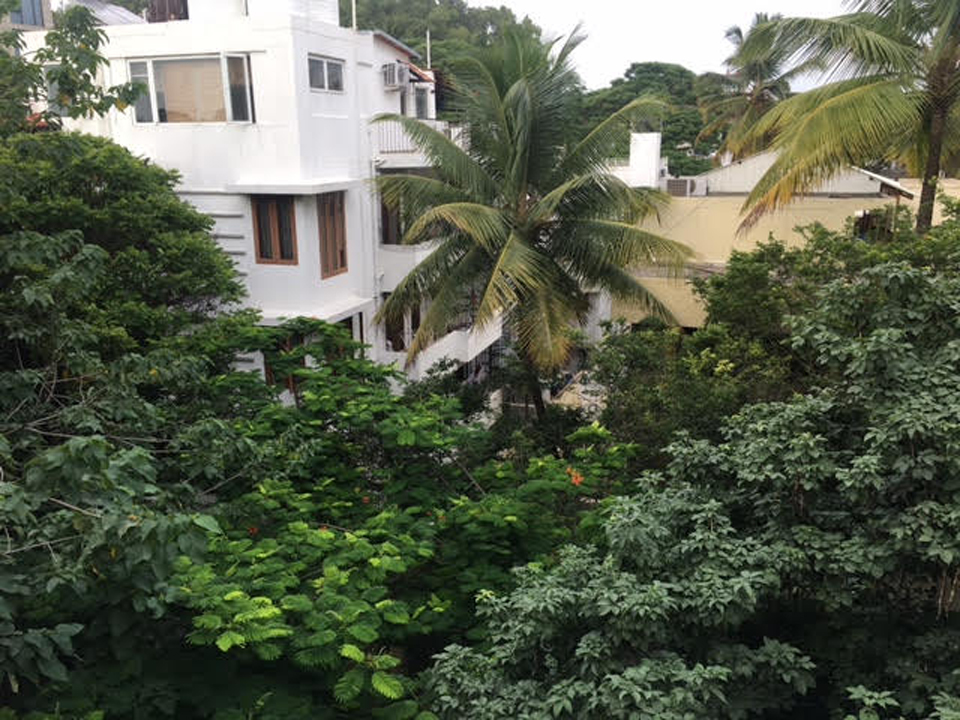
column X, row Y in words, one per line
column 522, row 218
column 751, row 87
column 894, row 94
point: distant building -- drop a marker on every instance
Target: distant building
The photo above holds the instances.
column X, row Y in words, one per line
column 705, row 213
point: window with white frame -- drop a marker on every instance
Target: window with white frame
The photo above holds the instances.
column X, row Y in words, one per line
column 201, row 89
column 325, row 73
column 54, row 98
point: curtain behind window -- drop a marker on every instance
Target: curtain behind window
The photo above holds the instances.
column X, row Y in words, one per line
column 189, row 90
column 30, row 13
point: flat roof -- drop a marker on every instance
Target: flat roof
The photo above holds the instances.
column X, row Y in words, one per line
column 886, row 182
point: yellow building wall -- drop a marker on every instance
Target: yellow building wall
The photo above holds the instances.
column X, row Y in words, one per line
column 708, row 226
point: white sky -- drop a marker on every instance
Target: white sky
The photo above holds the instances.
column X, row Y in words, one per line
column 686, row 32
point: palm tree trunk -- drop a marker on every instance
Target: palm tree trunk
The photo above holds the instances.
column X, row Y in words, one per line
column 931, row 175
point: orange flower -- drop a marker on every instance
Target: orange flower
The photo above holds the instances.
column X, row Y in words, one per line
column 366, row 499
column 577, row 479
column 253, row 530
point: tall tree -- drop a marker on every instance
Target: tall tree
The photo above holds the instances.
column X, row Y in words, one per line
column 754, row 84
column 804, row 566
column 61, row 76
column 680, row 124
column 455, row 27
column 895, row 95
column 523, row 219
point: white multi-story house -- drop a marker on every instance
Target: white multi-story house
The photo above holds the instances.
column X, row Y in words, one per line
column 264, row 107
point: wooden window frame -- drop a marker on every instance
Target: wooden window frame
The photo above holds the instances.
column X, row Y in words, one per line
column 330, row 259
column 274, row 229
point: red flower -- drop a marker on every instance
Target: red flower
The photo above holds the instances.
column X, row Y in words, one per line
column 575, row 477
column 253, row 530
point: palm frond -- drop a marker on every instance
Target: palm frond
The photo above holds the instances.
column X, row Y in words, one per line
column 453, row 164
column 593, row 152
column 423, row 281
column 444, row 306
column 416, row 193
column 484, row 225
column 853, row 125
column 519, row 271
column 624, row 245
column 851, row 45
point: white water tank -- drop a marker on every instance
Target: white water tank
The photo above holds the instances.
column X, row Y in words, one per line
column 645, row 159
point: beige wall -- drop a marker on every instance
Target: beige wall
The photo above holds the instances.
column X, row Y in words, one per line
column 708, row 226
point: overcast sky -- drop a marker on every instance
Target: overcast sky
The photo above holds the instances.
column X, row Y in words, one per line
column 687, row 32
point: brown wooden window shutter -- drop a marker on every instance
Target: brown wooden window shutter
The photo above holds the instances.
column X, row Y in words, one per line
column 333, row 235
column 275, row 229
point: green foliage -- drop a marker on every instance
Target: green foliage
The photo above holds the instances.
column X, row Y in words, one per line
column 890, row 97
column 164, row 271
column 524, row 221
column 680, row 125
column 659, row 382
column 68, row 63
column 456, row 28
column 103, row 413
column 807, row 555
column 758, row 78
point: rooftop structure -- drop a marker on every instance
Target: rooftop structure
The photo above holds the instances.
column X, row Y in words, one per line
column 705, row 213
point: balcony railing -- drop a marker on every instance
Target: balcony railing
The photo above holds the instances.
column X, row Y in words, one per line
column 393, row 139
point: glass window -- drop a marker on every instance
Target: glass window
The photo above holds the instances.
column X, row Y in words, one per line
column 317, row 77
column 189, row 90
column 334, row 76
column 238, row 74
column 30, row 13
column 53, row 92
column 195, row 90
column 143, row 109
column 275, row 228
column 421, row 103
column 325, row 74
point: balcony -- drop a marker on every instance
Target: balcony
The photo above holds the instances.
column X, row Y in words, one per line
column 461, row 345
column 396, row 148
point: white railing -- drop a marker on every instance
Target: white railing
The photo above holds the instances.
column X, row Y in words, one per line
column 392, row 138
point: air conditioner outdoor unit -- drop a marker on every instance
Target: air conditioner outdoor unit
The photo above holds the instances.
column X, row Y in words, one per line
column 395, row 75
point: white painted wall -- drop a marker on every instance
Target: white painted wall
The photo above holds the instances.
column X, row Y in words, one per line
column 643, row 169
column 741, row 177
column 303, row 142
